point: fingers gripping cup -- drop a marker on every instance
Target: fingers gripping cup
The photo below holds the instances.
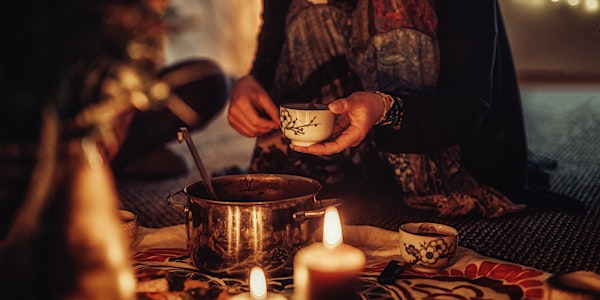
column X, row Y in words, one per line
column 306, row 123
column 427, row 247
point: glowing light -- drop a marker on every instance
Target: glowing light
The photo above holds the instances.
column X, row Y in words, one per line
column 160, row 91
column 92, row 154
column 258, row 284
column 128, row 282
column 229, row 227
column 234, row 216
column 257, row 228
column 129, row 78
column 591, row 5
column 536, row 3
column 139, row 100
column 237, row 229
column 332, row 228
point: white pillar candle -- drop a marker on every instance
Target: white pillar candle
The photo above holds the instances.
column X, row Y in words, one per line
column 328, row 270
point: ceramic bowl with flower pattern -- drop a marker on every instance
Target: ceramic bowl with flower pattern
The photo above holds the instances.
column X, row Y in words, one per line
column 427, row 247
column 306, row 123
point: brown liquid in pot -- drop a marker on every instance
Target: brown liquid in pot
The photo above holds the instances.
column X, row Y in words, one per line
column 251, row 190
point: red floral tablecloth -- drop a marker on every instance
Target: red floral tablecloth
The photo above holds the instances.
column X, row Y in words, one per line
column 164, row 271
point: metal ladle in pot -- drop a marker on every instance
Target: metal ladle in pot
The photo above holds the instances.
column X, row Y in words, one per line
column 183, row 134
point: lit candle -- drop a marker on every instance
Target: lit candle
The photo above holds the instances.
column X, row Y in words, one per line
column 328, row 270
column 258, row 288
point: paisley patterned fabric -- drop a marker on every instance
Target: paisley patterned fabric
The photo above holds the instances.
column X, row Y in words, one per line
column 334, row 49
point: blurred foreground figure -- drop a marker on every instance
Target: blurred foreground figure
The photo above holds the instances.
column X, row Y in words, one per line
column 75, row 77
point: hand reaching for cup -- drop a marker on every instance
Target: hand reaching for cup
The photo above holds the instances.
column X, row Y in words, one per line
column 248, row 101
column 357, row 114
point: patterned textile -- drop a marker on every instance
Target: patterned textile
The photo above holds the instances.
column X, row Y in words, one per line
column 165, row 269
column 390, row 46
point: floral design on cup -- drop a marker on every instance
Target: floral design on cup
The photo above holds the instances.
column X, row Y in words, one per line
column 289, row 123
column 427, row 246
column 428, row 253
column 306, row 123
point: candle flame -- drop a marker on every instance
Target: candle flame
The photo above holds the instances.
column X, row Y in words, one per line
column 332, row 228
column 258, row 284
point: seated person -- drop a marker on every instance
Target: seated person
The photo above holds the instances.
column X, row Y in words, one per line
column 426, row 97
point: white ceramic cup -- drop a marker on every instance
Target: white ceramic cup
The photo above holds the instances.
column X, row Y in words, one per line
column 306, row 123
column 427, row 247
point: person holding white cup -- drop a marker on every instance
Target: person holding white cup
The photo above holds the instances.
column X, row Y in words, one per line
column 425, row 96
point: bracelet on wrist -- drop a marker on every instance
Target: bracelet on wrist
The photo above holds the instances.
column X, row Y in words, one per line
column 385, row 103
column 393, row 110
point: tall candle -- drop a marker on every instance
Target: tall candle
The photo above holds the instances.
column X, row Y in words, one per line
column 328, row 270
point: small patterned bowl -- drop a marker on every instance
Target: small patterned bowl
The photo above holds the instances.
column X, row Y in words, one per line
column 427, row 247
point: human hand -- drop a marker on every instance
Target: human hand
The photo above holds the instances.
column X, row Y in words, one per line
column 357, row 114
column 248, row 100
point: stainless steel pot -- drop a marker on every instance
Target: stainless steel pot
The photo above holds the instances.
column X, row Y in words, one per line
column 258, row 220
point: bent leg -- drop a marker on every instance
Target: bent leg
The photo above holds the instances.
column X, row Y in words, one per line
column 200, row 84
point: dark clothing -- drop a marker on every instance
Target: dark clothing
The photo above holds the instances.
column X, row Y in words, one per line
column 202, row 85
column 483, row 106
column 476, row 103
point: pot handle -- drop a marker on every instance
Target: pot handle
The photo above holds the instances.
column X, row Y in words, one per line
column 300, row 216
column 173, row 203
